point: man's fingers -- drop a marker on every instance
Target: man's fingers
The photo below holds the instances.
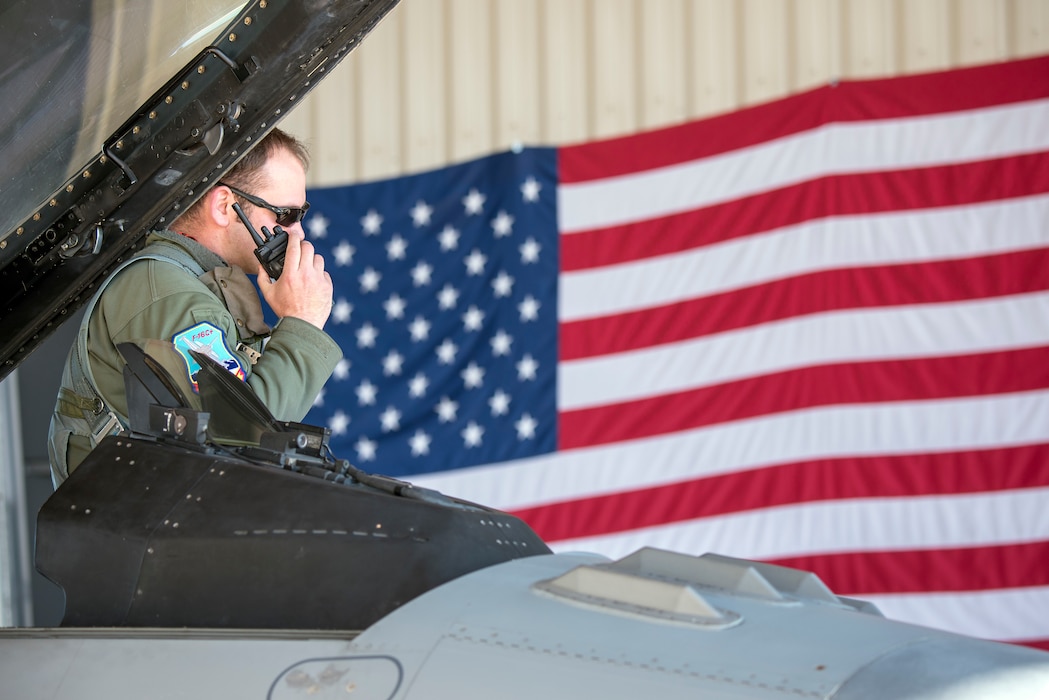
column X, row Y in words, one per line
column 293, row 253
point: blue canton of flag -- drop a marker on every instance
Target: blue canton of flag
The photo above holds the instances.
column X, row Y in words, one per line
column 446, row 312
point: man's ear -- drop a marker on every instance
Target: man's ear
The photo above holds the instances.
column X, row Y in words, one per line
column 219, row 206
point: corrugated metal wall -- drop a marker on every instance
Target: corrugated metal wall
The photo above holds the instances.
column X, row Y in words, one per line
column 441, row 81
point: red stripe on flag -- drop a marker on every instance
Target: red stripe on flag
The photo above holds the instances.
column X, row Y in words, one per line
column 889, row 285
column 836, row 195
column 802, row 482
column 890, row 98
column 964, row 569
column 823, row 385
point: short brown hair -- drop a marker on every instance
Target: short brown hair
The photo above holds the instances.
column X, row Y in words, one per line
column 247, row 173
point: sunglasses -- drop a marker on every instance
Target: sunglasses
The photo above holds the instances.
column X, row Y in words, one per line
column 286, row 216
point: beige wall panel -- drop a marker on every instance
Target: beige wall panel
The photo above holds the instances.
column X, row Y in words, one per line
column 425, row 85
column 766, row 38
column 613, row 66
column 300, row 122
column 471, row 51
column 1030, row 27
column 925, row 35
column 563, row 48
column 714, row 54
column 871, row 36
column 664, row 63
column 983, row 31
column 516, row 74
column 379, row 113
column 817, row 43
column 330, row 129
column 441, row 81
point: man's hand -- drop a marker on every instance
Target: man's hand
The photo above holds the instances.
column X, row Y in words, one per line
column 304, row 289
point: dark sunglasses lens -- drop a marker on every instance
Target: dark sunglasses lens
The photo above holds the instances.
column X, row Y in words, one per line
column 289, row 217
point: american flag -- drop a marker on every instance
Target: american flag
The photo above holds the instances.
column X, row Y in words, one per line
column 813, row 332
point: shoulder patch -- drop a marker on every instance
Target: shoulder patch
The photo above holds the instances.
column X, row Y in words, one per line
column 210, row 340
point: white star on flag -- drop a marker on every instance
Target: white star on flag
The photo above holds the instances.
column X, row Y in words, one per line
column 447, row 409
column 366, row 449
column 447, row 297
column 530, row 251
column 501, row 344
column 472, row 434
column 475, row 262
column 530, row 190
column 396, row 248
column 344, row 254
column 473, row 202
column 420, row 443
column 499, row 403
column 502, row 224
column 421, row 213
column 366, row 335
column 418, row 385
column 525, row 427
column 339, row 423
column 366, row 393
column 503, row 284
column 473, row 376
column 449, row 238
column 526, row 368
column 421, row 274
column 419, row 329
column 341, row 312
column 529, row 308
column 392, row 363
column 370, row 280
column 473, row 319
column 446, row 352
column 391, row 419
column 394, row 307
column 318, row 225
column 371, row 222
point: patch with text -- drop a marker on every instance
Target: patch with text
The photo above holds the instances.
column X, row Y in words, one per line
column 210, row 340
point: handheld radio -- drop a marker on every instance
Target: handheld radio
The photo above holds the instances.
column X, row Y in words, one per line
column 270, row 247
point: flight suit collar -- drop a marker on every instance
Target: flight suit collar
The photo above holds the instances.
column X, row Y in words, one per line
column 227, row 282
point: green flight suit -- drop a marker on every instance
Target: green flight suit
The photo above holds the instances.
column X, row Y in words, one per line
column 161, row 299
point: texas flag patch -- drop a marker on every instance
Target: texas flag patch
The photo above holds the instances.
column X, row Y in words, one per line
column 211, row 340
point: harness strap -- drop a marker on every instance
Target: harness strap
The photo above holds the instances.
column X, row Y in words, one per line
column 168, row 252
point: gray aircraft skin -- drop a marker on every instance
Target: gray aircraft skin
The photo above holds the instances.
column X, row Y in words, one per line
column 197, row 567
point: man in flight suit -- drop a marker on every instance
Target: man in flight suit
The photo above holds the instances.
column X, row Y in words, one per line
column 189, row 287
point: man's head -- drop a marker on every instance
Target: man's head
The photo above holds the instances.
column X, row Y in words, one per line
column 273, row 173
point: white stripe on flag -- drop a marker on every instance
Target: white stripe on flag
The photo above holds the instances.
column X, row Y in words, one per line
column 918, row 427
column 850, row 147
column 844, row 526
column 1013, row 614
column 876, row 239
column 926, row 330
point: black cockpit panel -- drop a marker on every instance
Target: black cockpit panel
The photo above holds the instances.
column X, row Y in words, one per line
column 152, row 534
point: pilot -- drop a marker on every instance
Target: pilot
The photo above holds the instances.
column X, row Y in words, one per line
column 189, row 286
